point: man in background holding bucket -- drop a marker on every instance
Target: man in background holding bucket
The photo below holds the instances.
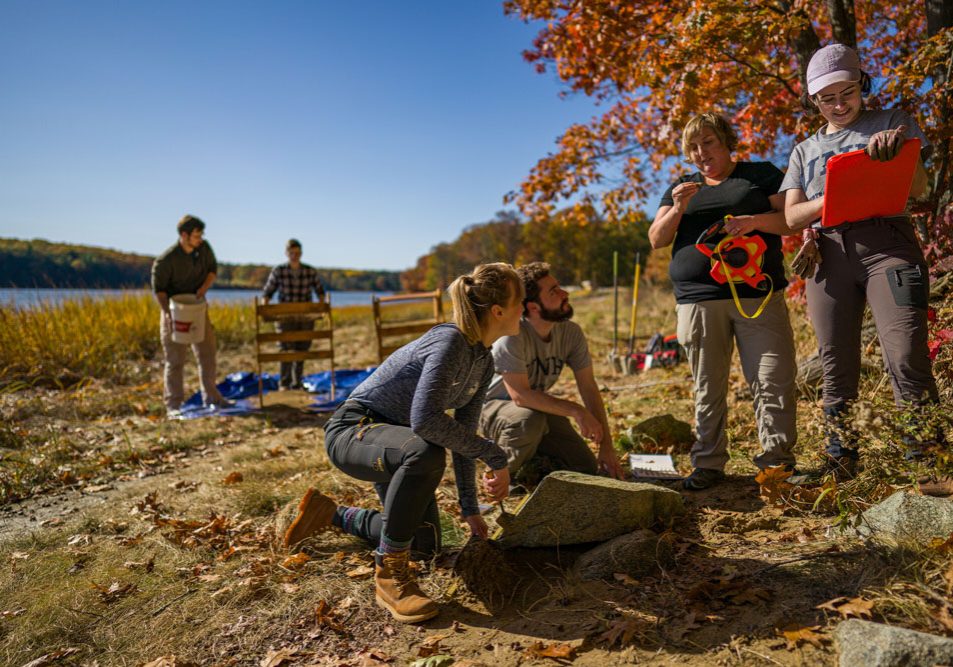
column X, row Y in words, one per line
column 186, row 269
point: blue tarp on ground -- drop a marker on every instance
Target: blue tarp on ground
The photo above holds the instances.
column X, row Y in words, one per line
column 243, row 385
column 345, row 381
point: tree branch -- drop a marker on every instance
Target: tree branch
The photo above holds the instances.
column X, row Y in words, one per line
column 760, row 72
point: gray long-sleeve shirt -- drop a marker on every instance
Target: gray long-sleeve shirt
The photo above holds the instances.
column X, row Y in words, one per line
column 418, row 383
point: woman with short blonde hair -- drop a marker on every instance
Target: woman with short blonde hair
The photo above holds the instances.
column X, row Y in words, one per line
column 723, row 200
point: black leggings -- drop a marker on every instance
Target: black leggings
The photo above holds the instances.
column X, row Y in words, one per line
column 405, row 470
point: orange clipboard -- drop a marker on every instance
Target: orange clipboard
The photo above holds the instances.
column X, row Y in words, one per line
column 858, row 187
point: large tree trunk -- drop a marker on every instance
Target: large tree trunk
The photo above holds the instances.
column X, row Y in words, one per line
column 805, row 43
column 940, row 16
column 843, row 22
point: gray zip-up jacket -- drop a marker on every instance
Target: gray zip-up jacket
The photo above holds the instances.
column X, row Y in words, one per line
column 418, row 383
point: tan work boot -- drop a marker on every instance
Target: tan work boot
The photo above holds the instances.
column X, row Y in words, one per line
column 312, row 517
column 397, row 589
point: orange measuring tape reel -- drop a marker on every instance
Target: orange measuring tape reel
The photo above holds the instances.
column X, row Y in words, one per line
column 737, row 259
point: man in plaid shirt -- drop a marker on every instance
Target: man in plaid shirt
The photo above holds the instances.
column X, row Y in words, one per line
column 293, row 281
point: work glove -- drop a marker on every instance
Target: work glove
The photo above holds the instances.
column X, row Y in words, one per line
column 885, row 146
column 808, row 257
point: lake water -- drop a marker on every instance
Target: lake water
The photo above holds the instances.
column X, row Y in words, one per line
column 28, row 297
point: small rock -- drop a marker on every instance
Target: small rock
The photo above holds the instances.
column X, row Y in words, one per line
column 637, row 554
column 573, row 508
column 662, row 433
column 906, row 517
column 877, row 645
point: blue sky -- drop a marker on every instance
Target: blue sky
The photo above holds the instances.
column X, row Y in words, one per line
column 370, row 131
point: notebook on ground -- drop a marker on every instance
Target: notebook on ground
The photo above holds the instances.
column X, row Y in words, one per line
column 858, row 187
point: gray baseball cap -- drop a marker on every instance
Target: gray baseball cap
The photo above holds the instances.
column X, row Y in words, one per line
column 832, row 64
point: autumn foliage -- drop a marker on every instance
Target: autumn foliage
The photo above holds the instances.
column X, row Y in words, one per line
column 577, row 241
column 652, row 65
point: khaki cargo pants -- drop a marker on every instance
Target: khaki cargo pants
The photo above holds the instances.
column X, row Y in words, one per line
column 523, row 433
column 708, row 331
column 175, row 354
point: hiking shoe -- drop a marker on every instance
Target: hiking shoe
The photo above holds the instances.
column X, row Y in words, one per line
column 397, row 590
column 220, row 404
column 702, row 478
column 312, row 517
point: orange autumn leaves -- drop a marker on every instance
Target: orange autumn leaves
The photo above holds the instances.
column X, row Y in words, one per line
column 654, row 64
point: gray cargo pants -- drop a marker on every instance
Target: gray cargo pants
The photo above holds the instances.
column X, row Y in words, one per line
column 708, row 331
column 877, row 262
column 175, row 354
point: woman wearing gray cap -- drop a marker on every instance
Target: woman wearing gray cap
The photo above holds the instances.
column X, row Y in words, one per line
column 877, row 261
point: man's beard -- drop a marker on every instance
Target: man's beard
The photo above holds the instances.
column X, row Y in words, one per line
column 556, row 314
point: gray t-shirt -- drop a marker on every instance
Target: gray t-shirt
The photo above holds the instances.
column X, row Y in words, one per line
column 542, row 360
column 807, row 167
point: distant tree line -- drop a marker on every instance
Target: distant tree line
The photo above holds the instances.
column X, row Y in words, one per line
column 39, row 263
column 577, row 241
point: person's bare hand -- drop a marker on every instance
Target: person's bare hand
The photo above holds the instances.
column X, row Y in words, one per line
column 683, row 192
column 609, row 463
column 739, row 225
column 478, row 527
column 496, row 483
column 885, row 146
column 589, row 426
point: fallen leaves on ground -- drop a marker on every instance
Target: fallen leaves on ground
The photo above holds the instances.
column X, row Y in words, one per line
column 276, row 658
column 50, row 658
column 718, row 592
column 554, row 651
column 325, row 616
column 233, row 478
column 372, row 658
column 773, row 484
column 622, row 631
column 170, row 661
column 801, row 535
column 847, row 607
column 115, row 591
column 942, row 546
column 431, row 645
column 360, row 572
column 148, row 565
column 295, row 561
column 795, row 636
column 680, row 627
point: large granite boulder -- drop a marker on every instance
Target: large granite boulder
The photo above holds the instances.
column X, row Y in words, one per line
column 572, row 508
column 866, row 644
column 906, row 517
column 637, row 554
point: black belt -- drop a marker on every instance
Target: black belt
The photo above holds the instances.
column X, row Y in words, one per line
column 352, row 405
column 880, row 221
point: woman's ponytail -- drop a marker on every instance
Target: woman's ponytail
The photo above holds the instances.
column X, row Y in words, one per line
column 473, row 294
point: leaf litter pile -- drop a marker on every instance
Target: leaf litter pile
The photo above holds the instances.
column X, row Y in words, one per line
column 159, row 548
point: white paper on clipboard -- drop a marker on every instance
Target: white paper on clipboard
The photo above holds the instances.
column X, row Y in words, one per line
column 653, row 466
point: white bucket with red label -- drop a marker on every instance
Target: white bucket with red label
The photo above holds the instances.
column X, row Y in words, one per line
column 188, row 318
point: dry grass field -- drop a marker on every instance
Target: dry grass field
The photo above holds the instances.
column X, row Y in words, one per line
column 126, row 538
